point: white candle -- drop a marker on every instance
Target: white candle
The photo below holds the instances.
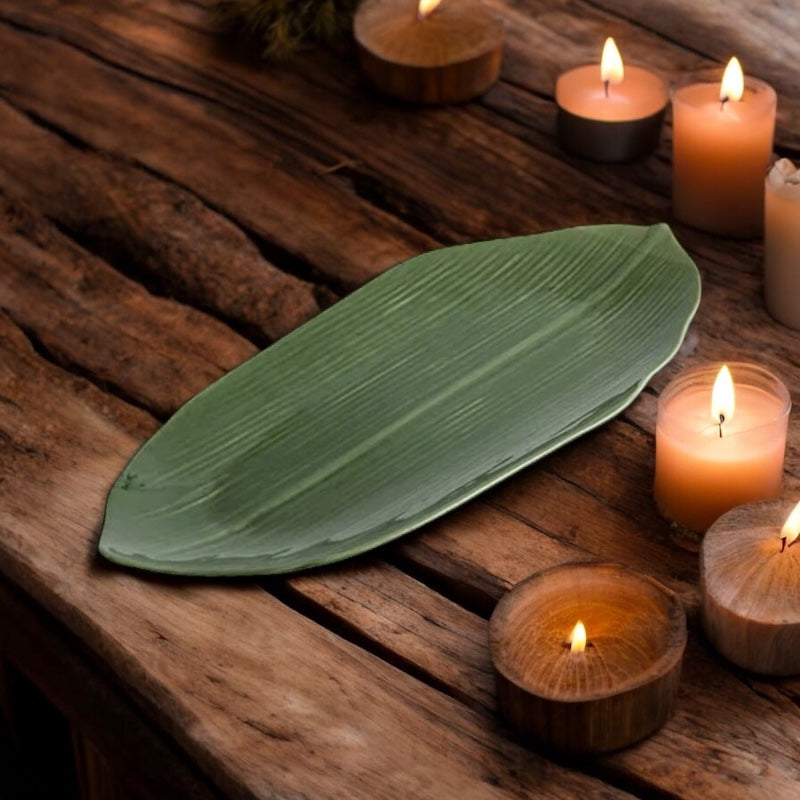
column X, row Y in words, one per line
column 782, row 243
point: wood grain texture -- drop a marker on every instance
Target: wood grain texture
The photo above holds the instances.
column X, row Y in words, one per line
column 69, row 300
column 359, row 240
column 150, row 765
column 151, row 228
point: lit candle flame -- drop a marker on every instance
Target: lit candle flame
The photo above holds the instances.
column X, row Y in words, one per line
column 791, row 528
column 732, row 86
column 427, row 7
column 611, row 69
column 723, row 401
column 577, row 639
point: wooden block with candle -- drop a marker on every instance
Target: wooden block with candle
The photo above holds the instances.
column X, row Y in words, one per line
column 720, row 441
column 594, row 687
column 750, row 585
column 429, row 51
column 609, row 112
column 721, row 148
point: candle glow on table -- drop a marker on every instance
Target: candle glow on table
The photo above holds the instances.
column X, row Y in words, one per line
column 597, row 684
column 429, row 51
column 719, row 449
column 610, row 112
column 722, row 145
column 782, row 243
column 750, row 585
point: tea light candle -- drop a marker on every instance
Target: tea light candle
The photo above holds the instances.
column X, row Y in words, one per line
column 750, row 584
column 587, row 656
column 429, row 51
column 721, row 148
column 609, row 112
column 782, row 243
column 720, row 441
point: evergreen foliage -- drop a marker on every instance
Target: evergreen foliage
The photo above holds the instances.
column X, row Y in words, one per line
column 280, row 27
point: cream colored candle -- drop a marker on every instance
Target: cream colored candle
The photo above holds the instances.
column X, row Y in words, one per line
column 782, row 243
column 722, row 145
column 610, row 111
column 713, row 456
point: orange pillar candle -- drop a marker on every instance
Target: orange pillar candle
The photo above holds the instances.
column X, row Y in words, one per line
column 610, row 112
column 715, row 452
column 782, row 243
column 721, row 149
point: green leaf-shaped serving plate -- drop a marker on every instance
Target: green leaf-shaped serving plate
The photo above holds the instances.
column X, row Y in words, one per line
column 433, row 382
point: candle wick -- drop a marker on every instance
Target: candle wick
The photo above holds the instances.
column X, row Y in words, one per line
column 783, row 543
column 721, row 420
column 605, row 84
column 722, row 103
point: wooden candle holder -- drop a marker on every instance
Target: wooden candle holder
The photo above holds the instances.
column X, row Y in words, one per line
column 449, row 56
column 750, row 585
column 622, row 688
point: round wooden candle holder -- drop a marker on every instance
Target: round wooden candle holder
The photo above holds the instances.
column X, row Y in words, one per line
column 750, row 586
column 451, row 55
column 622, row 688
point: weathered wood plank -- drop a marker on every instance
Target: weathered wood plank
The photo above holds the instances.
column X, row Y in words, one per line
column 338, row 234
column 97, row 710
column 155, row 351
column 229, row 672
column 152, row 228
column 415, row 627
column 454, row 153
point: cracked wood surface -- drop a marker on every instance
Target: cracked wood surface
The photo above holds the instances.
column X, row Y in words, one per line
column 166, row 207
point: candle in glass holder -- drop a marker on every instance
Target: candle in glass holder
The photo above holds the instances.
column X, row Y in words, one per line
column 429, row 51
column 782, row 243
column 720, row 442
column 610, row 112
column 587, row 656
column 750, row 585
column 721, row 147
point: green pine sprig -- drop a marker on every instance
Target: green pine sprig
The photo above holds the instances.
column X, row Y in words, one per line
column 280, row 27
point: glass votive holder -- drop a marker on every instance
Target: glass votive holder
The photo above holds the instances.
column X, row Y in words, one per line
column 710, row 459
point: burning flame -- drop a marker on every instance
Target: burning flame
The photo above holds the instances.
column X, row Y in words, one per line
column 611, row 69
column 791, row 528
column 723, row 401
column 732, row 86
column 427, row 7
column 577, row 639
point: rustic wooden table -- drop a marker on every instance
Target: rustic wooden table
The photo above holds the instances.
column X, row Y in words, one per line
column 169, row 207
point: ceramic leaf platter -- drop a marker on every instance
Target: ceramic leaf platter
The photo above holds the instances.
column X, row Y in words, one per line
column 436, row 380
